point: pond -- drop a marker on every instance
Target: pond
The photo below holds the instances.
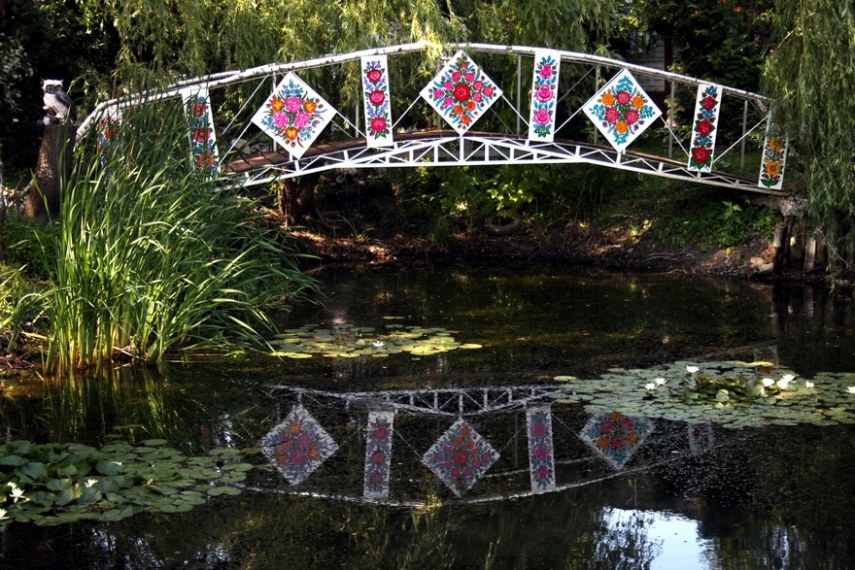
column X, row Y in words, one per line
column 449, row 418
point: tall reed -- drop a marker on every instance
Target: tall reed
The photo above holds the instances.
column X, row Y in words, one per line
column 151, row 257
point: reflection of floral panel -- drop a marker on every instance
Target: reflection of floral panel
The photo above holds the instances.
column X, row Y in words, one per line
column 378, row 455
column 460, row 457
column 700, row 438
column 376, row 101
column 200, row 123
column 704, row 129
column 294, row 115
column 544, row 95
column 774, row 157
column 541, row 455
column 461, row 92
column 109, row 124
column 615, row 436
column 621, row 110
column 298, row 446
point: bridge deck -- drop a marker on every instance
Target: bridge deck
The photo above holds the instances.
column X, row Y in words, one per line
column 273, row 158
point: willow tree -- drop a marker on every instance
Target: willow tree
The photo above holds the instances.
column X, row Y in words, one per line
column 812, row 74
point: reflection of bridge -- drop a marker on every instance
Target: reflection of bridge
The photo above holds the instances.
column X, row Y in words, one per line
column 271, row 122
column 462, row 436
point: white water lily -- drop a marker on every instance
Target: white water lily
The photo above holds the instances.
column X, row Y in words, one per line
column 788, row 378
column 650, row 386
column 692, row 369
column 851, row 389
column 659, row 381
column 784, row 382
column 3, row 514
column 17, row 494
column 378, row 344
column 809, row 384
column 767, row 382
column 90, row 482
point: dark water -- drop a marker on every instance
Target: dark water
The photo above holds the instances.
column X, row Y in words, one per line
column 770, row 497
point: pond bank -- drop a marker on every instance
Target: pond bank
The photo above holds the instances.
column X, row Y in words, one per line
column 615, row 247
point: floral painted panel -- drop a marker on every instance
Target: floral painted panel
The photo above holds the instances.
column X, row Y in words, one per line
column 615, row 437
column 541, row 455
column 200, row 124
column 544, row 95
column 461, row 92
column 700, row 438
column 704, row 130
column 298, row 446
column 109, row 125
column 774, row 158
column 378, row 455
column 376, row 101
column 294, row 115
column 460, row 457
column 621, row 110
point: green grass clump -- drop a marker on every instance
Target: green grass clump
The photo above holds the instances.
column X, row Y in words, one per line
column 151, row 257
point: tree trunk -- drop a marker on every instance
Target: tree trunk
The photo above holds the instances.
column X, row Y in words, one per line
column 52, row 171
column 299, row 198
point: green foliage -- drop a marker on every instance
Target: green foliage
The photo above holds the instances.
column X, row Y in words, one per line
column 50, row 484
column 812, row 73
column 19, row 303
column 711, row 223
column 151, row 258
column 31, row 245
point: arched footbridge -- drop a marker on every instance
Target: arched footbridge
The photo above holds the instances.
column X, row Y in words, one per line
column 478, row 104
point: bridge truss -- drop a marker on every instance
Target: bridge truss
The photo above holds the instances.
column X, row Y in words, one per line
column 242, row 153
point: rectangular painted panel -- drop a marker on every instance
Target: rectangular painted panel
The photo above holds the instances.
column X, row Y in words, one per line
column 774, row 158
column 200, row 125
column 378, row 455
column 541, row 454
column 705, row 121
column 376, row 101
column 544, row 95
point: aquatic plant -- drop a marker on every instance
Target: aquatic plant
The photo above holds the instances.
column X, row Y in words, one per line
column 348, row 341
column 152, row 257
column 49, row 484
column 732, row 394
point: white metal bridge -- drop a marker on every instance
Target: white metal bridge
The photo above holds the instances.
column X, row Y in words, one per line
column 480, row 105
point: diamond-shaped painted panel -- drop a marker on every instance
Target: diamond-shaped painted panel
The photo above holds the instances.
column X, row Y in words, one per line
column 615, row 436
column 294, row 115
column 621, row 110
column 298, row 445
column 461, row 92
column 460, row 457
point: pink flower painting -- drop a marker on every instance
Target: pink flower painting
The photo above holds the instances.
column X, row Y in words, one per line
column 376, row 101
column 461, row 92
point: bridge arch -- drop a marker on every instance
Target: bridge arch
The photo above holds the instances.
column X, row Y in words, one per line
column 585, row 119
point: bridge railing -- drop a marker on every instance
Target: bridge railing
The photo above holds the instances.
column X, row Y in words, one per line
column 232, row 135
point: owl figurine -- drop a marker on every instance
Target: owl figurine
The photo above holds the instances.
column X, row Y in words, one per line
column 57, row 103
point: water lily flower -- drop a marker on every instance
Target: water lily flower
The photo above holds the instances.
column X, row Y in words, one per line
column 378, row 344
column 784, row 382
column 692, row 369
column 788, row 378
column 90, row 482
column 809, row 384
column 659, row 381
column 767, row 382
column 650, row 386
column 16, row 494
column 3, row 514
column 851, row 389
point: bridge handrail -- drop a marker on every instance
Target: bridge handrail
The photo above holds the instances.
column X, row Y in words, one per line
column 224, row 78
